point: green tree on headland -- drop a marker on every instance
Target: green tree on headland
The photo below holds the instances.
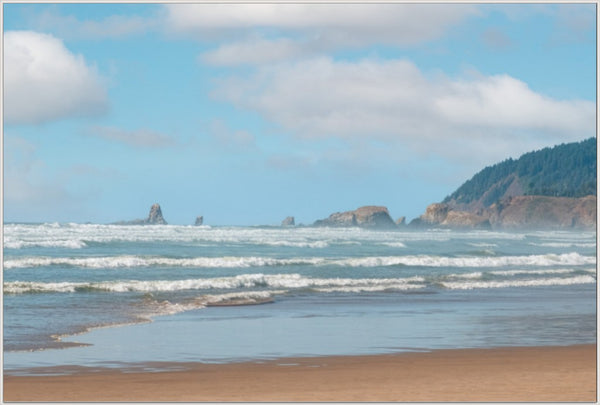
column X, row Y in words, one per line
column 565, row 170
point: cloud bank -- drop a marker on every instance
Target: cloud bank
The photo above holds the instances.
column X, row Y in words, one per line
column 394, row 101
column 44, row 81
column 287, row 31
column 110, row 27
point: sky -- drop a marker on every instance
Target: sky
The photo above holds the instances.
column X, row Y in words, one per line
column 249, row 113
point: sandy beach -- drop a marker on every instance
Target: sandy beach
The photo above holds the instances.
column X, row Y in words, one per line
column 501, row 374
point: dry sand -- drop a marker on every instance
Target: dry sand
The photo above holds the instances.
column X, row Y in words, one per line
column 502, row 374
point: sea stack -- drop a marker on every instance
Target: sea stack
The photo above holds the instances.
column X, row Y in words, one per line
column 289, row 221
column 199, row 220
column 155, row 216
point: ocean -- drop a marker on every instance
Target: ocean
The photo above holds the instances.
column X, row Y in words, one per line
column 147, row 297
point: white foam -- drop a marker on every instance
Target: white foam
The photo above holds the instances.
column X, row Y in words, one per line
column 68, row 244
column 537, row 272
column 564, row 244
column 500, row 261
column 154, row 308
column 141, row 261
column 394, row 244
column 277, row 281
column 254, row 261
column 23, row 235
column 372, row 288
column 483, row 244
column 509, row 273
column 315, row 245
column 469, row 285
column 21, row 287
column 159, row 308
column 476, row 274
column 239, row 298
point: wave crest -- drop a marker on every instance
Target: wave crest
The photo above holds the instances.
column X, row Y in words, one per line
column 254, row 261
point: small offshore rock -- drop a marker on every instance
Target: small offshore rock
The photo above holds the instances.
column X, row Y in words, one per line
column 199, row 220
column 289, row 221
column 401, row 221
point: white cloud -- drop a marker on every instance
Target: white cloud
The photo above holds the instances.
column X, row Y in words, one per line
column 113, row 26
column 302, row 29
column 138, row 138
column 415, row 22
column 504, row 102
column 393, row 101
column 256, row 51
column 572, row 22
column 44, row 81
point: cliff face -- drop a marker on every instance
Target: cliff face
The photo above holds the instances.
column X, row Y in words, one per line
column 549, row 188
column 542, row 212
column 442, row 215
column 520, row 212
column 365, row 217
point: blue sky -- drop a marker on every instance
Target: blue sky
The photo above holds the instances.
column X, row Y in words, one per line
column 248, row 113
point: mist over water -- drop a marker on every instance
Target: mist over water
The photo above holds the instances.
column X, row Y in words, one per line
column 193, row 292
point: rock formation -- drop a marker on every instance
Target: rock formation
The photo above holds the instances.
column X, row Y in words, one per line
column 154, row 218
column 435, row 213
column 520, row 212
column 542, row 212
column 199, row 220
column 401, row 221
column 441, row 215
column 289, row 221
column 549, row 188
column 365, row 217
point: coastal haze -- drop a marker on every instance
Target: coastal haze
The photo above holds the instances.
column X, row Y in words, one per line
column 299, row 202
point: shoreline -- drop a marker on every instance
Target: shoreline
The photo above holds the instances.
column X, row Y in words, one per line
column 503, row 374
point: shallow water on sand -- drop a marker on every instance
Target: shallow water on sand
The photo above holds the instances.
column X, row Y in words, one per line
column 329, row 292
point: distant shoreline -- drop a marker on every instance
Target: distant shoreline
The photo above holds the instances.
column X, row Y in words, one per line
column 512, row 374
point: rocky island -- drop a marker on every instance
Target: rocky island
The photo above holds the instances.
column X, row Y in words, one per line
column 371, row 216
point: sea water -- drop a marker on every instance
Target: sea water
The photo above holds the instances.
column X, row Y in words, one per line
column 131, row 296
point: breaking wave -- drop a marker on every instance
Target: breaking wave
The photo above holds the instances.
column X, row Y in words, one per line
column 479, row 274
column 253, row 261
column 66, row 244
column 470, row 285
column 286, row 282
column 279, row 281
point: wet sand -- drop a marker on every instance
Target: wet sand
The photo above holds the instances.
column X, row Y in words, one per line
column 546, row 374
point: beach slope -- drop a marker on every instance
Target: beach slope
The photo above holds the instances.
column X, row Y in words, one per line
column 502, row 374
